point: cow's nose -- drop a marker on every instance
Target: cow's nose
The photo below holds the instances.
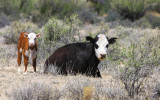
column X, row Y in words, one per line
column 103, row 55
column 31, row 44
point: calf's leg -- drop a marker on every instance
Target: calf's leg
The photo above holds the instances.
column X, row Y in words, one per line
column 25, row 61
column 19, row 58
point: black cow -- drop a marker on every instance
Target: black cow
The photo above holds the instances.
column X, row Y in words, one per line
column 80, row 57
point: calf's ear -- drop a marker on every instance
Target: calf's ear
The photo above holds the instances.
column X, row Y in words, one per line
column 88, row 38
column 112, row 40
column 38, row 35
column 25, row 35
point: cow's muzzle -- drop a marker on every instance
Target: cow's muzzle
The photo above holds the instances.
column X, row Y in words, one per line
column 102, row 57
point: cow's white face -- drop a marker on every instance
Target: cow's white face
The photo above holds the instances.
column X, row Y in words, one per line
column 101, row 43
column 101, row 46
column 32, row 38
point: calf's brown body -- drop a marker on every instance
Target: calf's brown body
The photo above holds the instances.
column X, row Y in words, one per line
column 25, row 50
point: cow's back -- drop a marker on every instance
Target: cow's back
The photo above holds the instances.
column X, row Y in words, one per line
column 71, row 57
column 23, row 41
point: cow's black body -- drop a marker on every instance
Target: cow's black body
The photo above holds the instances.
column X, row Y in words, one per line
column 75, row 58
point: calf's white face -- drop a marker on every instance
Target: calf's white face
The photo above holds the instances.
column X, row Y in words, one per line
column 32, row 38
column 101, row 46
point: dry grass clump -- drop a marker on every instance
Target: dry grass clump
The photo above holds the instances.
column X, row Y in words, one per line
column 87, row 88
column 7, row 53
column 65, row 88
column 35, row 91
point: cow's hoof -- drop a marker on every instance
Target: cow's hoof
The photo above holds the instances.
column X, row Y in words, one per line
column 19, row 71
column 25, row 73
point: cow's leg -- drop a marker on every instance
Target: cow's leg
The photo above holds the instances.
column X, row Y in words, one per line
column 63, row 72
column 95, row 72
column 25, row 61
column 98, row 73
column 34, row 64
column 19, row 58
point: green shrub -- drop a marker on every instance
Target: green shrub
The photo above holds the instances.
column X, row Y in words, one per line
column 88, row 15
column 57, row 30
column 39, row 11
column 47, row 8
column 58, row 33
column 155, row 5
column 102, row 6
column 144, row 23
column 134, row 9
column 131, row 9
column 10, row 6
column 113, row 16
column 66, row 7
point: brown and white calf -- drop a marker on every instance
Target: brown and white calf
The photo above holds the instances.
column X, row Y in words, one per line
column 27, row 45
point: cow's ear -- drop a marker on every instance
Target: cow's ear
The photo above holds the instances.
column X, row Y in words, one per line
column 88, row 38
column 112, row 40
column 26, row 35
column 38, row 35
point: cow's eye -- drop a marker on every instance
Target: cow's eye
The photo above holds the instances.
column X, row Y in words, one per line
column 107, row 46
column 96, row 46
